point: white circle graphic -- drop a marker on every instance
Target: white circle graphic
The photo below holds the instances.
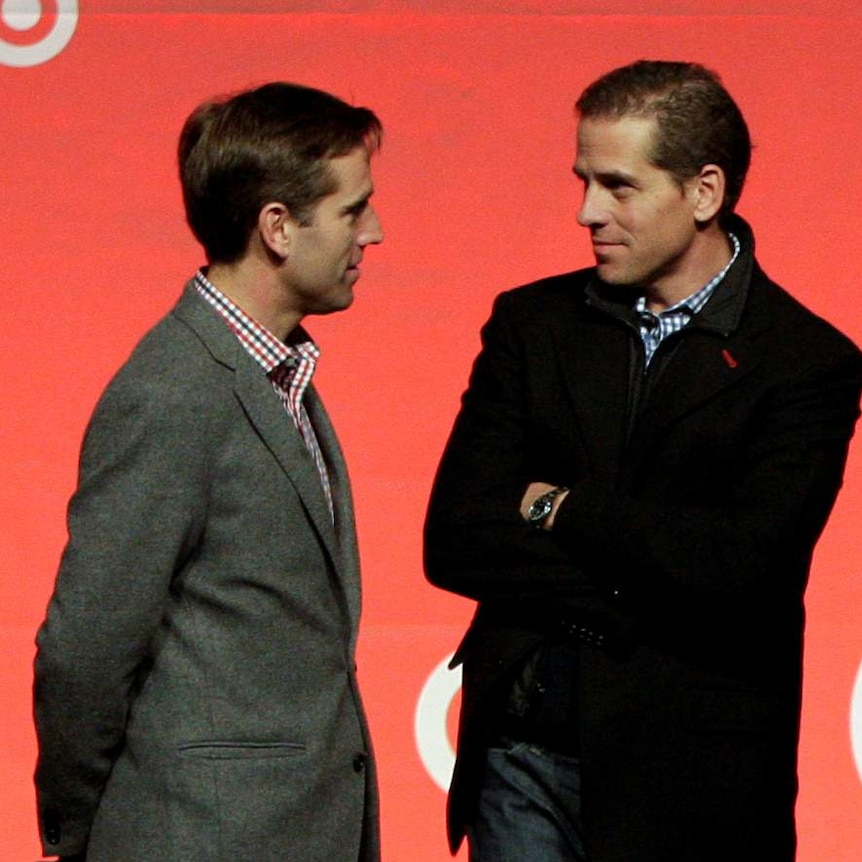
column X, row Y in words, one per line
column 429, row 725
column 23, row 15
column 856, row 721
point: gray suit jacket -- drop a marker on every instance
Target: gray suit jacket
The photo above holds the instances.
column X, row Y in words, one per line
column 195, row 693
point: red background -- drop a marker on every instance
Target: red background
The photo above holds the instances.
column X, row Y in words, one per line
column 476, row 195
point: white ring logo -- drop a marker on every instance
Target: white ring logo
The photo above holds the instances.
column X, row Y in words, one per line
column 25, row 15
column 856, row 721
column 429, row 726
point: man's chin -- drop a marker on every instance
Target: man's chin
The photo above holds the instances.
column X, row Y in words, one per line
column 341, row 302
column 612, row 275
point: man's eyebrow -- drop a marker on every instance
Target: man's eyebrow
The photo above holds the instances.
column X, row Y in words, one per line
column 607, row 177
column 359, row 204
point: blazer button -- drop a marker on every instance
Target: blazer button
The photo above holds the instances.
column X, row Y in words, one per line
column 52, row 827
column 359, row 762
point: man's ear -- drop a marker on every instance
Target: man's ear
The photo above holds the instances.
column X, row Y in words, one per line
column 275, row 225
column 708, row 189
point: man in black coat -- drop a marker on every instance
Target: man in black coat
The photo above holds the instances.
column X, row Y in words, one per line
column 645, row 457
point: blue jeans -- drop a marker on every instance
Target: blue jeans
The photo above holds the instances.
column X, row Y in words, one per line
column 529, row 808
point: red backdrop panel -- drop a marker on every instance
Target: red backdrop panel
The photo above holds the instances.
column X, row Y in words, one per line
column 475, row 191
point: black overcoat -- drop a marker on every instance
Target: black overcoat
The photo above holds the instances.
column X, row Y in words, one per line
column 686, row 541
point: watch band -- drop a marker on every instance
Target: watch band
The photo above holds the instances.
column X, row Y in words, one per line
column 542, row 506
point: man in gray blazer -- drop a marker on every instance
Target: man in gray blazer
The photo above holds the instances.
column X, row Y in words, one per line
column 195, row 689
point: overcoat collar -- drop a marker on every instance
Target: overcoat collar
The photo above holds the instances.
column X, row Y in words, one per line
column 716, row 350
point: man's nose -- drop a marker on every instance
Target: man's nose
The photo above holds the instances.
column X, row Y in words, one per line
column 592, row 210
column 372, row 230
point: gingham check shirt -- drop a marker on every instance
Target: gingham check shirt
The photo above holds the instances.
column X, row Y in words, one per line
column 289, row 367
column 654, row 328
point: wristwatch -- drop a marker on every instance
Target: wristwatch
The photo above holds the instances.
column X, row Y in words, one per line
column 541, row 507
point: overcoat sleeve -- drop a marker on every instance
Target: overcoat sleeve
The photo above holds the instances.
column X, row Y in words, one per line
column 755, row 538
column 476, row 543
column 631, row 531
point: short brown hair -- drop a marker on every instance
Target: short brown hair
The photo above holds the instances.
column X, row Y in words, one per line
column 698, row 122
column 272, row 143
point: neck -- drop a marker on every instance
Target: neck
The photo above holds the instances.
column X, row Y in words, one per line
column 704, row 259
column 252, row 286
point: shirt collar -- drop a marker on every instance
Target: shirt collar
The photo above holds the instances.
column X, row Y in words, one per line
column 264, row 347
column 694, row 303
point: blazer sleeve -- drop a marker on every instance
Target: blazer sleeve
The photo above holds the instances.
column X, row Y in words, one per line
column 136, row 515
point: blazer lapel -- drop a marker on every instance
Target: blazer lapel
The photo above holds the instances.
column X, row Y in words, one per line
column 283, row 439
column 342, row 501
column 264, row 411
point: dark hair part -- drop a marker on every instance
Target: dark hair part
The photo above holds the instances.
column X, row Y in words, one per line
column 273, row 143
column 697, row 120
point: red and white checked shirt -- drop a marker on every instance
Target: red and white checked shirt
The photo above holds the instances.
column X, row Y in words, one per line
column 289, row 367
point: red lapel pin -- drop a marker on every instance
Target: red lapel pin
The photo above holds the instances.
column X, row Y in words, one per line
column 728, row 358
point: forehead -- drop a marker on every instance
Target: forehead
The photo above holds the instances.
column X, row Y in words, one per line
column 351, row 173
column 614, row 144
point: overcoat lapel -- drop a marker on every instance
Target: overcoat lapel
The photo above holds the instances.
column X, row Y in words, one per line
column 713, row 354
column 595, row 351
column 595, row 369
column 717, row 350
column 700, row 369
